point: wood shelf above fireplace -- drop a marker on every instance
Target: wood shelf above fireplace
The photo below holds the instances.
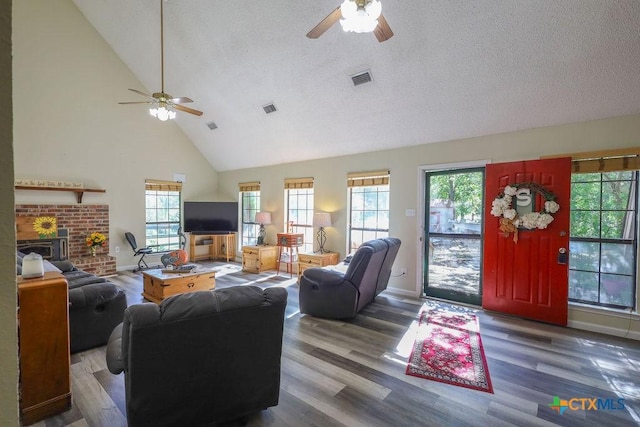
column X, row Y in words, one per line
column 79, row 191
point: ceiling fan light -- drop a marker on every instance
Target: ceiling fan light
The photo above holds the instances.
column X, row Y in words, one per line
column 349, row 9
column 374, row 9
column 360, row 20
column 162, row 113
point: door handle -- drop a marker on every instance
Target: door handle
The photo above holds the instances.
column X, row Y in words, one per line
column 562, row 256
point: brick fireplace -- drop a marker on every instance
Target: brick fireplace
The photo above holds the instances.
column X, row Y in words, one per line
column 79, row 221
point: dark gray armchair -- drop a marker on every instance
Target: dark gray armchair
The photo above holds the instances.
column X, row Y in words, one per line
column 331, row 294
column 200, row 358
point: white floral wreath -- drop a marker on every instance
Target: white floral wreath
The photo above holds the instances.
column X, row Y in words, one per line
column 510, row 221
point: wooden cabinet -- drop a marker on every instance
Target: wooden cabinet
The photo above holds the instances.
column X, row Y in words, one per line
column 158, row 285
column 256, row 259
column 212, row 246
column 316, row 260
column 43, row 316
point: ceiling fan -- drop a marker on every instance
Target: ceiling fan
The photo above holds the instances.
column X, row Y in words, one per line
column 360, row 16
column 164, row 104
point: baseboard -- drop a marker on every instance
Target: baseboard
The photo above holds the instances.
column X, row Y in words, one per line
column 401, row 292
column 607, row 330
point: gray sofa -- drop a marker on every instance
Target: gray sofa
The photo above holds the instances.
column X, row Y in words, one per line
column 332, row 294
column 96, row 306
column 200, row 358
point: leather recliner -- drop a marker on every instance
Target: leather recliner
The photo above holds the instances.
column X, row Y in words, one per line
column 334, row 295
column 200, row 358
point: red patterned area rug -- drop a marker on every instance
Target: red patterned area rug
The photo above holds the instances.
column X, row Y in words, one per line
column 448, row 348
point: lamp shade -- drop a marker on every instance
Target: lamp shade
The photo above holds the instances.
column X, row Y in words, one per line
column 321, row 219
column 263, row 218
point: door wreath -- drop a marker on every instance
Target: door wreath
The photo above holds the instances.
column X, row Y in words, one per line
column 511, row 221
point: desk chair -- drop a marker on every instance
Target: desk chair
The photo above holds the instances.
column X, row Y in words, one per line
column 138, row 251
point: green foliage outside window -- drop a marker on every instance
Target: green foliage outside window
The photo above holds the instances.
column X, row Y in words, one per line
column 461, row 190
column 162, row 215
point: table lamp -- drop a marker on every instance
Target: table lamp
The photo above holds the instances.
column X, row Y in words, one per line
column 321, row 220
column 262, row 218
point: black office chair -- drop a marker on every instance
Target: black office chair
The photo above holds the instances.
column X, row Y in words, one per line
column 138, row 251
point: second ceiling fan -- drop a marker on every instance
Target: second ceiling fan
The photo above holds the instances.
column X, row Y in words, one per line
column 360, row 16
column 163, row 102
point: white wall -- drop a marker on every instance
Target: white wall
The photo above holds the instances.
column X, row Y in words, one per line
column 69, row 126
column 331, row 194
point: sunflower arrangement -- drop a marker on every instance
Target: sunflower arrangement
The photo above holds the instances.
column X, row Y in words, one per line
column 96, row 239
column 45, row 226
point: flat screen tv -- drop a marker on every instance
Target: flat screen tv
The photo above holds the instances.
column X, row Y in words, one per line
column 210, row 217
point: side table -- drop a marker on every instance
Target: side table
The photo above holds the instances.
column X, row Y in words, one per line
column 316, row 259
column 287, row 244
column 256, row 259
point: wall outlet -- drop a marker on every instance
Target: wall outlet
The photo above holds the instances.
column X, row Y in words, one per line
column 403, row 271
column 117, row 249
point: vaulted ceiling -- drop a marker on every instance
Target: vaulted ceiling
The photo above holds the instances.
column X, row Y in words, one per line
column 454, row 69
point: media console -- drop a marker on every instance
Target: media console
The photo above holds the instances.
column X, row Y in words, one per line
column 212, row 246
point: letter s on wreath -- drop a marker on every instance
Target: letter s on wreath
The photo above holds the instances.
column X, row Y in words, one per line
column 510, row 221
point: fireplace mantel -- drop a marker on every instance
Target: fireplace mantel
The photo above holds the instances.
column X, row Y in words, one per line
column 78, row 191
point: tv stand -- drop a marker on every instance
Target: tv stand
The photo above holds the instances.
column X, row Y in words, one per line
column 217, row 246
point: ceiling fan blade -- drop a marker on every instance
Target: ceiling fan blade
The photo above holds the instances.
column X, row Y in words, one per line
column 186, row 109
column 137, row 102
column 141, row 93
column 383, row 31
column 180, row 100
column 325, row 24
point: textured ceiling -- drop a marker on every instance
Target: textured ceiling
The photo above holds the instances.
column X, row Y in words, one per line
column 453, row 69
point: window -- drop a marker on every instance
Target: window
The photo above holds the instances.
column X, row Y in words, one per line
column 368, row 207
column 299, row 208
column 250, row 205
column 162, row 209
column 603, row 239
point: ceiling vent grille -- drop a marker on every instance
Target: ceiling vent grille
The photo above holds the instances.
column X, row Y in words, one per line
column 269, row 108
column 361, row 78
column 212, row 125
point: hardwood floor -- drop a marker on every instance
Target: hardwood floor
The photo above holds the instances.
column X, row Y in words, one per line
column 352, row 373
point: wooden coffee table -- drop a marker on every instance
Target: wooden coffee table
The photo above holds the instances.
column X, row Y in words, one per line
column 159, row 285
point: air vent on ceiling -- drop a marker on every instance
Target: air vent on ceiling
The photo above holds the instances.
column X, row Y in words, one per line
column 212, row 125
column 269, row 108
column 361, row 78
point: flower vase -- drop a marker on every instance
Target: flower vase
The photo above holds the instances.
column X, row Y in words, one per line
column 94, row 250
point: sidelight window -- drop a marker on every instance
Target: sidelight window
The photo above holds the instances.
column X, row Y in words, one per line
column 603, row 243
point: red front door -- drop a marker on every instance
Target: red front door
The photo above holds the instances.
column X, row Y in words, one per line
column 528, row 278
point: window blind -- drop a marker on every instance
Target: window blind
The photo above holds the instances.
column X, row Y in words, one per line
column 249, row 186
column 603, row 161
column 365, row 179
column 155, row 185
column 297, row 183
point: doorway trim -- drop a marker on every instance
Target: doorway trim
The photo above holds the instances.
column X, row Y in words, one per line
column 422, row 169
